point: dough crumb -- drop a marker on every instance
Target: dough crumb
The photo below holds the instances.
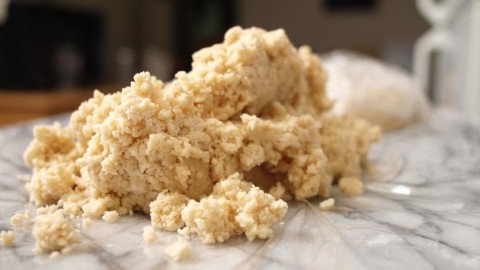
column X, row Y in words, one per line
column 53, row 232
column 110, row 216
column 235, row 207
column 54, row 255
column 351, row 186
column 280, row 192
column 327, row 205
column 178, row 250
column 19, row 219
column 96, row 207
column 166, row 210
column 86, row 222
column 185, row 232
column 49, row 209
column 149, row 235
column 7, row 238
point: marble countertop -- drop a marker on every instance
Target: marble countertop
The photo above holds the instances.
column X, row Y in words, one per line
column 420, row 210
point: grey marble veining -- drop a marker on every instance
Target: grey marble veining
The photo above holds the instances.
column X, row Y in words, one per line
column 421, row 210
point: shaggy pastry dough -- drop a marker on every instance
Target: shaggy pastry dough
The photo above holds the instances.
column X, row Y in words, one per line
column 253, row 105
column 53, row 232
column 7, row 238
column 110, row 216
column 351, row 185
column 235, row 207
column 178, row 250
column 327, row 204
column 149, row 235
column 166, row 210
column 20, row 219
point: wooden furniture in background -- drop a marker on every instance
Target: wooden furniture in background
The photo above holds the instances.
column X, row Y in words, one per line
column 17, row 106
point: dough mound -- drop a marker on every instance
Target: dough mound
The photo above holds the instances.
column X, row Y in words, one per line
column 250, row 114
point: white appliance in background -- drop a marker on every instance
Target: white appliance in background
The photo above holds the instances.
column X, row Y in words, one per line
column 455, row 38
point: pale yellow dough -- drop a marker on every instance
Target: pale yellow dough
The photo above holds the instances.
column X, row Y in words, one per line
column 7, row 238
column 178, row 250
column 110, row 216
column 149, row 235
column 199, row 152
column 166, row 210
column 235, row 207
column 351, row 186
column 19, row 219
column 327, row 204
column 53, row 231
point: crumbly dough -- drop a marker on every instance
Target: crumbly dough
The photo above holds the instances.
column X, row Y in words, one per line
column 166, row 210
column 19, row 219
column 201, row 150
column 110, row 216
column 149, row 235
column 235, row 207
column 327, row 204
column 280, row 192
column 54, row 255
column 53, row 232
column 86, row 223
column 351, row 186
column 178, row 250
column 7, row 238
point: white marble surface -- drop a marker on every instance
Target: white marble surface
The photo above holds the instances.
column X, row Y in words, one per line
column 420, row 211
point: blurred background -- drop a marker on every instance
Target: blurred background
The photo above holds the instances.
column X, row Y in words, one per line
column 54, row 53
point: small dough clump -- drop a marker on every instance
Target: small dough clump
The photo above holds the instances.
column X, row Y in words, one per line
column 7, row 238
column 19, row 219
column 53, row 232
column 327, row 204
column 110, row 216
column 54, row 255
column 351, row 186
column 235, row 207
column 149, row 235
column 178, row 250
column 166, row 210
column 198, row 153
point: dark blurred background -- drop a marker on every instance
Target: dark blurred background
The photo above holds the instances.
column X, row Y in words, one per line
column 53, row 53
